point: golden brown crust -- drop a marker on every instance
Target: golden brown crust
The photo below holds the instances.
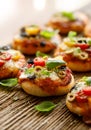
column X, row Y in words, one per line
column 79, row 66
column 34, row 89
column 73, row 107
column 87, row 30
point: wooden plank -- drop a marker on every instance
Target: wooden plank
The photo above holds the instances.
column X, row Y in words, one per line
column 21, row 115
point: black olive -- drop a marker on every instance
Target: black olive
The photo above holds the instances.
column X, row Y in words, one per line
column 42, row 44
column 30, row 61
column 82, row 41
column 5, row 47
column 24, row 34
column 22, row 29
column 73, row 88
column 62, row 67
column 32, row 76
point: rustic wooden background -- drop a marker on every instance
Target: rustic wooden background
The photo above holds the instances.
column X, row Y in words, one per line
column 17, row 109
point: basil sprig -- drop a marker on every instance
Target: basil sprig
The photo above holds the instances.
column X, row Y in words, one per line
column 87, row 80
column 9, row 82
column 45, row 106
column 51, row 64
column 69, row 15
column 47, row 34
column 40, row 54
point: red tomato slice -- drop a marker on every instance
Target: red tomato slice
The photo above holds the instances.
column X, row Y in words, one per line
column 80, row 97
column 39, row 61
column 2, row 63
column 5, row 56
column 87, row 91
column 83, row 46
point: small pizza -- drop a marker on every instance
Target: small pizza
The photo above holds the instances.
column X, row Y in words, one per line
column 79, row 99
column 32, row 39
column 76, row 52
column 68, row 21
column 87, row 30
column 46, row 77
column 11, row 61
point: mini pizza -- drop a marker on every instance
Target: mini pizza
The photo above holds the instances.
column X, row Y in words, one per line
column 32, row 39
column 11, row 61
column 77, row 53
column 87, row 30
column 79, row 99
column 68, row 21
column 46, row 77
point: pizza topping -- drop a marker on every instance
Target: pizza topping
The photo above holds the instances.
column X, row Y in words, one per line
column 38, row 61
column 5, row 56
column 87, row 91
column 32, row 30
column 47, row 34
column 2, row 62
column 82, row 55
column 68, row 15
column 71, row 97
column 83, row 46
column 51, row 64
column 80, row 97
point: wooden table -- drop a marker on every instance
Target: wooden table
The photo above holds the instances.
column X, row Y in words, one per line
column 17, row 110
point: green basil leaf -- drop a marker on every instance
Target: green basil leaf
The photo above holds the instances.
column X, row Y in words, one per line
column 45, row 72
column 89, row 42
column 45, row 106
column 47, row 34
column 72, row 34
column 40, row 54
column 51, row 64
column 9, row 82
column 29, row 71
column 69, row 15
column 87, row 80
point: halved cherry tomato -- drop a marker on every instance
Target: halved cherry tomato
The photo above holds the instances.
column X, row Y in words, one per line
column 83, row 46
column 80, row 97
column 39, row 61
column 87, row 91
column 5, row 56
column 2, row 63
column 29, row 65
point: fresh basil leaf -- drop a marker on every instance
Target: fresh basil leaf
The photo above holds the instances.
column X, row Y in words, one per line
column 51, row 64
column 47, row 34
column 29, row 70
column 9, row 82
column 40, row 54
column 69, row 15
column 89, row 42
column 72, row 34
column 45, row 72
column 87, row 80
column 45, row 106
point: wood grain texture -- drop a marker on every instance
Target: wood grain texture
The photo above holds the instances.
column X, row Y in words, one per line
column 21, row 115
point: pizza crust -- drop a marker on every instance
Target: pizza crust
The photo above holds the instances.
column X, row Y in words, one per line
column 33, row 89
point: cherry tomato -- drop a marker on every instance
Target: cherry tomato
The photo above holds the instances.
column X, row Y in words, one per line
column 5, row 56
column 87, row 91
column 83, row 46
column 29, row 65
column 39, row 61
column 2, row 63
column 80, row 97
